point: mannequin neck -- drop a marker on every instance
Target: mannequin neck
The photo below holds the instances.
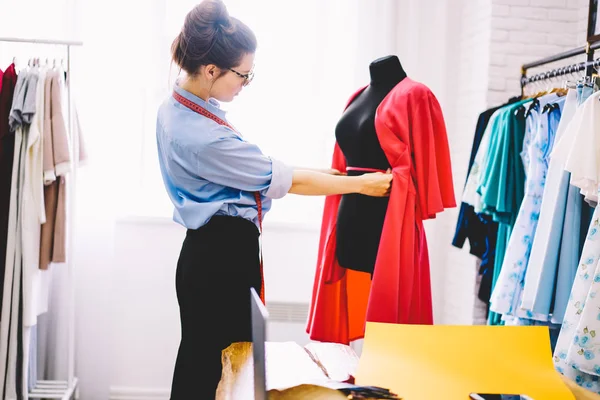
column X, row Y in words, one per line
column 386, row 71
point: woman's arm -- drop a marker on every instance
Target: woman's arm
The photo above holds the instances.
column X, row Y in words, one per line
column 330, row 171
column 233, row 162
column 311, row 183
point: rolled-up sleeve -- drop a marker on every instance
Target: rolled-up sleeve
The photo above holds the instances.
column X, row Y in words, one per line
column 229, row 160
column 281, row 180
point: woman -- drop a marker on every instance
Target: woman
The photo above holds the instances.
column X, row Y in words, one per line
column 221, row 186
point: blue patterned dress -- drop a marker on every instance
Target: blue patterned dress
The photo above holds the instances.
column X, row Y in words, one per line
column 507, row 292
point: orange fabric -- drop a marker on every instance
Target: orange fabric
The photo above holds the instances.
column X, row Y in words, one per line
column 412, row 133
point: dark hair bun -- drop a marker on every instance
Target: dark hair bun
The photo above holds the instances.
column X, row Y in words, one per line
column 210, row 36
column 215, row 13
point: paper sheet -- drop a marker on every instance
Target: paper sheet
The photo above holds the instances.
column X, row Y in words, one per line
column 339, row 360
column 449, row 362
column 288, row 365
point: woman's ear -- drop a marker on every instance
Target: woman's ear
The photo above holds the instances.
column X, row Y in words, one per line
column 211, row 71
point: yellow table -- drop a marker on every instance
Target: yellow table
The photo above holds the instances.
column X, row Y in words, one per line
column 237, row 378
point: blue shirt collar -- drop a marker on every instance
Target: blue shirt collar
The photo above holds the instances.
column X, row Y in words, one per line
column 212, row 105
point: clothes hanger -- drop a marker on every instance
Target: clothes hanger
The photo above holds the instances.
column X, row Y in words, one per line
column 568, row 84
column 532, row 87
column 558, row 89
column 551, row 88
column 538, row 84
column 532, row 84
column 527, row 92
column 536, row 102
column 595, row 78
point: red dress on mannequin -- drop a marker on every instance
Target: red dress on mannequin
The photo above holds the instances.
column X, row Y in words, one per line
column 412, row 133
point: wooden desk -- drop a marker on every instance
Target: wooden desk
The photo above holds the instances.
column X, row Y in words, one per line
column 237, row 381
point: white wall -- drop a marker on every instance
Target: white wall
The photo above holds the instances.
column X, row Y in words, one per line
column 528, row 30
column 468, row 92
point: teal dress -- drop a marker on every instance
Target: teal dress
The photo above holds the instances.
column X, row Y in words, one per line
column 503, row 180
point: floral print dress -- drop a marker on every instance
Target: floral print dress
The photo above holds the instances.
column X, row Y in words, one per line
column 577, row 353
column 507, row 292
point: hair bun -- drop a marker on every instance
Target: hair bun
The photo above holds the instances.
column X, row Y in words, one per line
column 216, row 11
column 223, row 23
column 210, row 36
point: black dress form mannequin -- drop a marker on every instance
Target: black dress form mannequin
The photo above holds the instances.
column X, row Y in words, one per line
column 360, row 218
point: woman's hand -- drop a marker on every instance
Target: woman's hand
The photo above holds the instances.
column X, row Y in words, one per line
column 376, row 184
column 311, row 183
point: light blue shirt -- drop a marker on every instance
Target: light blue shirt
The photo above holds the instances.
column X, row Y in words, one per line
column 209, row 169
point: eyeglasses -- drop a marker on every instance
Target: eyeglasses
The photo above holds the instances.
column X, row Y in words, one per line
column 247, row 77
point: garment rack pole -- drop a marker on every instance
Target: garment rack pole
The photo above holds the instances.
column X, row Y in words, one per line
column 556, row 57
column 42, row 41
column 588, row 65
column 54, row 389
column 561, row 71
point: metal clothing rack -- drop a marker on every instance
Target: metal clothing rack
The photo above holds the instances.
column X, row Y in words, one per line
column 587, row 66
column 55, row 389
column 592, row 44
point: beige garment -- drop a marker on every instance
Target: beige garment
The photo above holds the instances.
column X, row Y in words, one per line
column 57, row 163
column 52, row 244
column 60, row 137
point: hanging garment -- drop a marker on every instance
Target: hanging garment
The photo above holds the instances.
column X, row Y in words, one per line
column 582, row 163
column 539, row 138
column 472, row 197
column 21, row 115
column 480, row 229
column 548, row 285
column 412, row 133
column 7, row 150
column 57, row 163
column 576, row 354
column 480, row 308
column 470, row 194
column 32, row 204
column 543, row 260
column 496, row 186
column 469, row 225
column 49, row 339
column 578, row 214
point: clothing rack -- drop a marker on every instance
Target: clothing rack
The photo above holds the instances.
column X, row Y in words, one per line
column 592, row 44
column 55, row 389
column 587, row 66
